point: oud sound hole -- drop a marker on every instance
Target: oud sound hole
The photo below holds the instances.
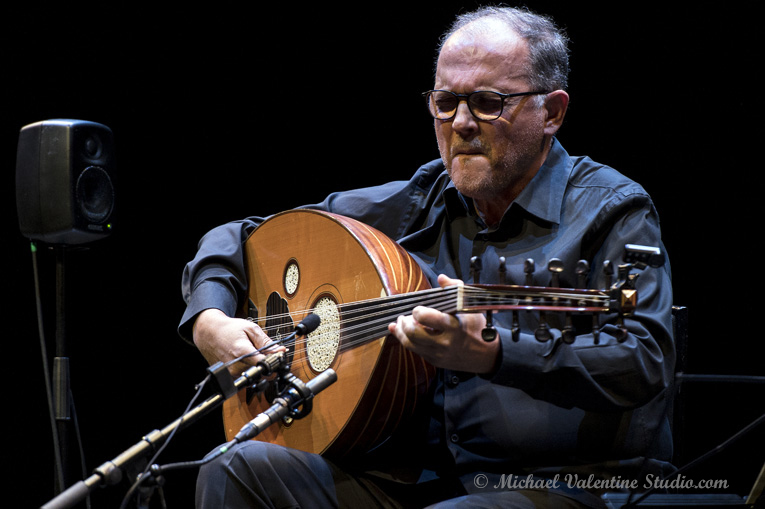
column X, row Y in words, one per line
column 322, row 344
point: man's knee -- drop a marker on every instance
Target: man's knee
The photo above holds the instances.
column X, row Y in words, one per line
column 261, row 460
column 258, row 471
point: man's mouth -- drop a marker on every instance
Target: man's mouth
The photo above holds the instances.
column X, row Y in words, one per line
column 468, row 151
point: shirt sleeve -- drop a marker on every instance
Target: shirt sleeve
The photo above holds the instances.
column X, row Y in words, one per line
column 216, row 277
column 606, row 372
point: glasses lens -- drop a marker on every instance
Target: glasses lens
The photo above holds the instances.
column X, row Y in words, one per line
column 442, row 104
column 486, row 105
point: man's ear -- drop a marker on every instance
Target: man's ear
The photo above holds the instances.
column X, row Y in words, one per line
column 556, row 104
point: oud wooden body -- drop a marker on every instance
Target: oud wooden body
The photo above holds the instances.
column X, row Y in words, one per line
column 379, row 383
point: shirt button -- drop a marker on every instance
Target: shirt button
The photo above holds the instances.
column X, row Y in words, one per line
column 454, row 380
column 454, row 438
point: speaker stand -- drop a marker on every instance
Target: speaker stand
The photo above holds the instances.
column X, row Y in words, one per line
column 61, row 390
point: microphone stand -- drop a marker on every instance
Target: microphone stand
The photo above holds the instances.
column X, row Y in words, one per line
column 298, row 394
column 111, row 472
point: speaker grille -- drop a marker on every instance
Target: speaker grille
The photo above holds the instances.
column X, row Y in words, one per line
column 95, row 194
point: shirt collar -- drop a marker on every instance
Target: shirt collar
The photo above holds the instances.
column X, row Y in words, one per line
column 542, row 197
column 455, row 203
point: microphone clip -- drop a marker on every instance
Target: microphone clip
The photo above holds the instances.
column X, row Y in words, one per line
column 295, row 402
column 219, row 382
column 294, row 391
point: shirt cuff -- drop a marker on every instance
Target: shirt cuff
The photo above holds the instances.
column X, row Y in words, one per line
column 207, row 295
column 519, row 357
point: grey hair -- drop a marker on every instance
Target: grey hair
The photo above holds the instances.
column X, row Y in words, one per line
column 548, row 45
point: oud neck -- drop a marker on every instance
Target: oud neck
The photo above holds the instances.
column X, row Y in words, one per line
column 373, row 316
column 368, row 320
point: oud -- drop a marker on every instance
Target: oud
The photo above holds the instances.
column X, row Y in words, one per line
column 362, row 283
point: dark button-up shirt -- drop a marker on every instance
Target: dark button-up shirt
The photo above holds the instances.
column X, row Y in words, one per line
column 594, row 406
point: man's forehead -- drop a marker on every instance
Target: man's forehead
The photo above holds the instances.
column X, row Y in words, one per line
column 485, row 41
column 491, row 34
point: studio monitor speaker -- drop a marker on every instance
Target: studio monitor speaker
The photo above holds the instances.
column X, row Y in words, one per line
column 65, row 181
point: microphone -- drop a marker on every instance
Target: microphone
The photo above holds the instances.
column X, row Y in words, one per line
column 276, row 361
column 308, row 325
column 269, row 365
column 305, row 327
column 298, row 394
column 221, row 381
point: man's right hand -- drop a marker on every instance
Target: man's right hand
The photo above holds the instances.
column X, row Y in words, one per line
column 222, row 338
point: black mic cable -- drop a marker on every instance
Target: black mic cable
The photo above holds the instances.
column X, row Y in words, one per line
column 298, row 395
column 306, row 326
column 225, row 386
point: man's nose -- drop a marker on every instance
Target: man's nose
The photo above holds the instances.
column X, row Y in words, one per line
column 463, row 119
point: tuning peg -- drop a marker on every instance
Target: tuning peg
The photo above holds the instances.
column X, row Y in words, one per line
column 608, row 273
column 582, row 271
column 516, row 327
column 542, row 333
column 502, row 270
column 555, row 266
column 489, row 333
column 475, row 269
column 528, row 269
column 621, row 330
column 569, row 332
column 643, row 256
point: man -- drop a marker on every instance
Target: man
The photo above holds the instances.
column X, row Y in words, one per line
column 559, row 417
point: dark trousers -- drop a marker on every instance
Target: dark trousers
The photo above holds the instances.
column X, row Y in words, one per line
column 257, row 474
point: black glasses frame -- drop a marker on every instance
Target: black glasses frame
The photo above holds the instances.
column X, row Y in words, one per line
column 467, row 97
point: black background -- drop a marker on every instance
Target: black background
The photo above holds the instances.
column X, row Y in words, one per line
column 222, row 112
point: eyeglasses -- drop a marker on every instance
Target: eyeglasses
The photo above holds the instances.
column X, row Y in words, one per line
column 483, row 104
